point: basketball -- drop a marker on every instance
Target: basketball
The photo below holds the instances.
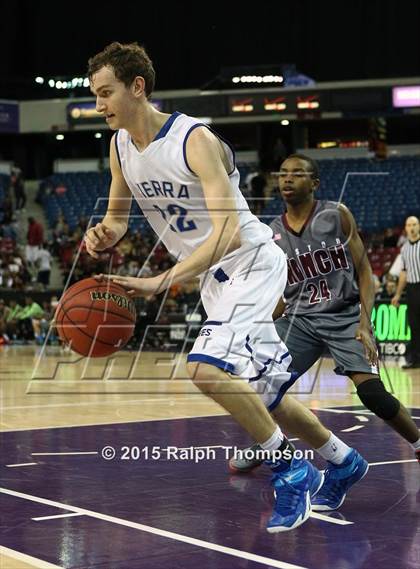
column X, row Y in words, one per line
column 95, row 318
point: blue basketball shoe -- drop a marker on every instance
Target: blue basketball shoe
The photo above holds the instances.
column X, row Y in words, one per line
column 293, row 484
column 339, row 478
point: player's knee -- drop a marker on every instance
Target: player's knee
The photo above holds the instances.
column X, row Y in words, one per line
column 375, row 397
column 204, row 376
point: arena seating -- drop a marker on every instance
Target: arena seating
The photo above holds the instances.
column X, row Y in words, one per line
column 82, row 194
column 380, row 194
column 4, row 183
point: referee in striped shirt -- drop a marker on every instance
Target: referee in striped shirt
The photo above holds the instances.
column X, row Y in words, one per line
column 410, row 279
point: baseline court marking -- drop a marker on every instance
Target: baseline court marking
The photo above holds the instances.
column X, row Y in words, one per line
column 21, row 464
column 362, row 418
column 392, row 462
column 325, row 518
column 347, row 411
column 42, row 518
column 62, row 453
column 355, row 428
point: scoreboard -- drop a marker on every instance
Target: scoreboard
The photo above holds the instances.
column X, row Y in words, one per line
column 296, row 103
column 261, row 104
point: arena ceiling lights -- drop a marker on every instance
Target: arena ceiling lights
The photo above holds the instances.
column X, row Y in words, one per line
column 76, row 82
column 258, row 79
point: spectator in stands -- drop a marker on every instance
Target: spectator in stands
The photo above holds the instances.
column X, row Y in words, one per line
column 30, row 311
column 134, row 269
column 279, row 153
column 189, row 297
column 40, row 326
column 146, row 270
column 123, row 269
column 6, row 208
column 4, row 338
column 35, row 238
column 258, row 184
column 54, row 303
column 130, row 268
column 7, row 231
column 45, row 189
column 377, row 284
column 5, row 281
column 60, row 190
column 59, row 235
column 13, row 272
column 390, row 287
column 83, row 224
column 4, row 309
column 14, row 310
column 386, row 266
column 43, row 262
column 125, row 246
column 147, row 309
column 17, row 184
column 12, row 317
column 61, row 226
column 390, row 238
column 175, row 291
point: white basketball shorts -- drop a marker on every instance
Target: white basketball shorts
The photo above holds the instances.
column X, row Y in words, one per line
column 239, row 335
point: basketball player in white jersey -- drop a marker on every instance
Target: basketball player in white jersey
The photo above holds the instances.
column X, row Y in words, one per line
column 185, row 180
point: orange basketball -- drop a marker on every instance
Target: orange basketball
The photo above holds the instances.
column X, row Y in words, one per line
column 95, row 318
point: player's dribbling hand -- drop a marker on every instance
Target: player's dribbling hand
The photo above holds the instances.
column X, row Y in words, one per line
column 133, row 285
column 365, row 336
column 98, row 239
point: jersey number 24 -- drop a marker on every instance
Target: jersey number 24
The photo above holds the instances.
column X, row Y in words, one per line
column 318, row 292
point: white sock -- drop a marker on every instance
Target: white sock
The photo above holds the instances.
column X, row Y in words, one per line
column 334, row 450
column 416, row 445
column 274, row 442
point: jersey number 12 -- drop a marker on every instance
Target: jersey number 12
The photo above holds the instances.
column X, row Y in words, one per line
column 179, row 213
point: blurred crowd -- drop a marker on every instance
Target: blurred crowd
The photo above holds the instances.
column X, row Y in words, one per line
column 28, row 251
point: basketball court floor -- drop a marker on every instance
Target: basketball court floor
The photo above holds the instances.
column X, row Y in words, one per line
column 118, row 467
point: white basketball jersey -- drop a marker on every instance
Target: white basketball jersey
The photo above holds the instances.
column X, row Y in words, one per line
column 170, row 194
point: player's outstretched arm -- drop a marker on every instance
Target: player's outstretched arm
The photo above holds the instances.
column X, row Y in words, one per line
column 114, row 225
column 365, row 282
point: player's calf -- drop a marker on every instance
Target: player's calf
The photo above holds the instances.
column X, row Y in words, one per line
column 376, row 398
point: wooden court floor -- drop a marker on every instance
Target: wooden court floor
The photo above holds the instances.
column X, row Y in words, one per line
column 42, row 389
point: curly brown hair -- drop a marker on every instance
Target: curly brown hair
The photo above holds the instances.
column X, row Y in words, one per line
column 128, row 61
